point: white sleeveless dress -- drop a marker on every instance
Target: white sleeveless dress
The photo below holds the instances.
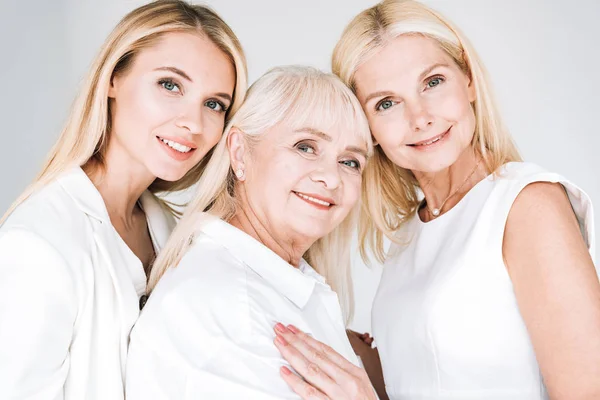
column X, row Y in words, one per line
column 445, row 317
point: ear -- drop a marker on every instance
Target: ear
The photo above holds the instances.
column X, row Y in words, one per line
column 112, row 88
column 471, row 91
column 237, row 149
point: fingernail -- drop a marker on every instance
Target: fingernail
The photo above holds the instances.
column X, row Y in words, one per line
column 293, row 329
column 280, row 328
column 281, row 340
column 285, row 371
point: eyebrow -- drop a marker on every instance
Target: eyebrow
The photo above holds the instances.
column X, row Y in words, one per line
column 315, row 132
column 428, row 70
column 224, row 96
column 175, row 71
column 324, row 136
column 382, row 93
column 422, row 75
column 358, row 150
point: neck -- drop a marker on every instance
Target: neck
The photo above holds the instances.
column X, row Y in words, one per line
column 445, row 188
column 121, row 182
column 290, row 249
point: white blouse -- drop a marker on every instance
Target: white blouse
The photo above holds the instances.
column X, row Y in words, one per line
column 445, row 317
column 207, row 329
column 69, row 293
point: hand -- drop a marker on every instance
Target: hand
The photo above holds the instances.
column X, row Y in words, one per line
column 365, row 337
column 327, row 374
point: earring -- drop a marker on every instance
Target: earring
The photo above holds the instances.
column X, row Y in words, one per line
column 239, row 173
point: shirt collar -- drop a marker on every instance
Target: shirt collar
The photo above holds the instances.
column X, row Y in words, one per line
column 88, row 199
column 85, row 195
column 296, row 284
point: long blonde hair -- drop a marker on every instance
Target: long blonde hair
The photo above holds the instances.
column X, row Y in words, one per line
column 85, row 135
column 297, row 96
column 390, row 193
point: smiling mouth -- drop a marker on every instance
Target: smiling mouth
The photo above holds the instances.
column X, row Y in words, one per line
column 430, row 141
column 315, row 201
column 176, row 146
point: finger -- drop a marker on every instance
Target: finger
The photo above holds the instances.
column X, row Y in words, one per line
column 310, row 371
column 313, row 353
column 351, row 385
column 320, row 351
column 300, row 387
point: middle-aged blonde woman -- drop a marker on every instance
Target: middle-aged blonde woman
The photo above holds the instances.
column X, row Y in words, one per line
column 281, row 191
column 489, row 290
column 76, row 247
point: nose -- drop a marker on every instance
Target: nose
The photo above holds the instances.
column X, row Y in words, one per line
column 191, row 119
column 419, row 117
column 328, row 173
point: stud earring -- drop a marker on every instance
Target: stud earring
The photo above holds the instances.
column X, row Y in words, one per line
column 239, row 174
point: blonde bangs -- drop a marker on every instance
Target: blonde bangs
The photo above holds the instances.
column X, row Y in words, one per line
column 302, row 97
column 390, row 193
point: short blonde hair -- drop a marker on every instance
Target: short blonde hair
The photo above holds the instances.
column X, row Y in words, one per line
column 296, row 96
column 86, row 132
column 390, row 193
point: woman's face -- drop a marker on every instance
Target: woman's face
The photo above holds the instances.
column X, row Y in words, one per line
column 418, row 103
column 304, row 182
column 168, row 108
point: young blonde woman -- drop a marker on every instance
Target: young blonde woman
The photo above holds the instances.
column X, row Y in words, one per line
column 281, row 191
column 76, row 246
column 489, row 290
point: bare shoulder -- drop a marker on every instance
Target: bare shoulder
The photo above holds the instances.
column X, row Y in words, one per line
column 542, row 227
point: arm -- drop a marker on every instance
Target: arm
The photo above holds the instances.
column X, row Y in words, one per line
column 557, row 290
column 370, row 359
column 37, row 313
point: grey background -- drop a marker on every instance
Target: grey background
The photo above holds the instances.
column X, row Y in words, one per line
column 543, row 57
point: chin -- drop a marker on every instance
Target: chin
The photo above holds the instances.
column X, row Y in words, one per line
column 312, row 229
column 169, row 174
column 436, row 163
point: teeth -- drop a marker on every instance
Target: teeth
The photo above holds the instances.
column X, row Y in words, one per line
column 430, row 142
column 321, row 202
column 177, row 146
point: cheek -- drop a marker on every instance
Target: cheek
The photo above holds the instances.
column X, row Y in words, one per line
column 457, row 108
column 213, row 127
column 139, row 108
column 388, row 130
column 353, row 186
column 271, row 174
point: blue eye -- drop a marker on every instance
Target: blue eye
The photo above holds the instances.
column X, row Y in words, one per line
column 169, row 85
column 215, row 105
column 351, row 163
column 385, row 104
column 436, row 81
column 306, row 148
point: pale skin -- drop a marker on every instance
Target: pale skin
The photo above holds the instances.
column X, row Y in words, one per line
column 325, row 163
column 413, row 92
column 178, row 89
column 322, row 163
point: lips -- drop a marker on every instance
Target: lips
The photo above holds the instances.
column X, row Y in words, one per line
column 175, row 149
column 181, row 145
column 316, row 200
column 431, row 140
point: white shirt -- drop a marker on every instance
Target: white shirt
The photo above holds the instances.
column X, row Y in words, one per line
column 445, row 317
column 69, row 293
column 207, row 329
